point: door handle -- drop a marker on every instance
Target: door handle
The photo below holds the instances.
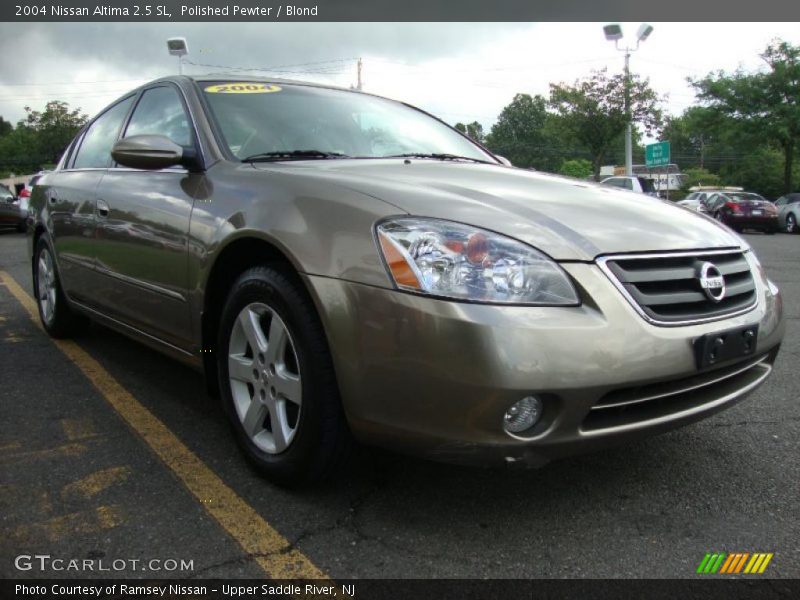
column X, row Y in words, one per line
column 102, row 208
column 53, row 199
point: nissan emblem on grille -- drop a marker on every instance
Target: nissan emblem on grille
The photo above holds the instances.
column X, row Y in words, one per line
column 712, row 281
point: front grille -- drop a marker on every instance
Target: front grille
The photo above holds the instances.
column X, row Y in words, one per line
column 637, row 405
column 665, row 288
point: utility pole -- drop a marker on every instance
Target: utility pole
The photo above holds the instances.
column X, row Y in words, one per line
column 628, row 126
column 613, row 33
column 359, row 86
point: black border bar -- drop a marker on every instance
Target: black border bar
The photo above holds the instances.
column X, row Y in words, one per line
column 400, row 10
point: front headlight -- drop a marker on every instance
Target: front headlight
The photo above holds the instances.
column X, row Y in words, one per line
column 448, row 259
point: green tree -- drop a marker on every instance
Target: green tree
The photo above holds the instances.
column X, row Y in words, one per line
column 766, row 104
column 593, row 110
column 5, row 127
column 699, row 176
column 761, row 171
column 578, row 167
column 519, row 133
column 54, row 128
column 474, row 130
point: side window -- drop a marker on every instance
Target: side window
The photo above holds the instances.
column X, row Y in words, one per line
column 627, row 184
column 780, row 201
column 614, row 182
column 73, row 152
column 160, row 112
column 95, row 150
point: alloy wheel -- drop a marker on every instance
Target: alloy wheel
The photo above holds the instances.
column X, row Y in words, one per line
column 264, row 378
column 46, row 285
column 791, row 224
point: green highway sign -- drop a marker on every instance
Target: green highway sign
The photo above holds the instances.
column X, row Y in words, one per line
column 656, row 155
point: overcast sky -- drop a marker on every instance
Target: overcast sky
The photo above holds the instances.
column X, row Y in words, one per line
column 458, row 71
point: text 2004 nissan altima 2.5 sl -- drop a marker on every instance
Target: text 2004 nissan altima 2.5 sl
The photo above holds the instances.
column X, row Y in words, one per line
column 346, row 267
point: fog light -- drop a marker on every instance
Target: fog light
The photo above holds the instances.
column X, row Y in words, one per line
column 523, row 414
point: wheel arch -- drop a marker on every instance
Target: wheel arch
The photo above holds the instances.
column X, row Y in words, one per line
column 238, row 254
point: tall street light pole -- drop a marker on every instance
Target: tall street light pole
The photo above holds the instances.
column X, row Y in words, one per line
column 613, row 33
column 178, row 47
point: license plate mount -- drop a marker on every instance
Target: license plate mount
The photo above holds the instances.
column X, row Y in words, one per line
column 714, row 348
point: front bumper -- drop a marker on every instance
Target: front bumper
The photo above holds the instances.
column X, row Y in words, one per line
column 435, row 378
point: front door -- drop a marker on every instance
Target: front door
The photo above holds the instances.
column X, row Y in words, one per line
column 143, row 226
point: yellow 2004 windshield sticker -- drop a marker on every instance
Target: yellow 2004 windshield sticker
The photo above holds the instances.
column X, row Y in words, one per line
column 242, row 88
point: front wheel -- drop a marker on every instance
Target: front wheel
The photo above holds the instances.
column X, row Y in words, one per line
column 277, row 381
column 58, row 319
column 791, row 224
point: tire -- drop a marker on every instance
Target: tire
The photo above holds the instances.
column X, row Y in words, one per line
column 791, row 224
column 274, row 366
column 55, row 313
column 22, row 227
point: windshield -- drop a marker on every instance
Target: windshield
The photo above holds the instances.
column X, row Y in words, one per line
column 743, row 197
column 258, row 118
column 647, row 185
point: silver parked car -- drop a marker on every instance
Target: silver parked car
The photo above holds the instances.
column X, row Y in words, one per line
column 695, row 201
column 789, row 212
column 346, row 267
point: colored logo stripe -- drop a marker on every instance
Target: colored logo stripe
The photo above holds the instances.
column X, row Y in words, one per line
column 735, row 562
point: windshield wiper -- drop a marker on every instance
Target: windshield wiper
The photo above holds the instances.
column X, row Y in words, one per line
column 438, row 156
column 292, row 155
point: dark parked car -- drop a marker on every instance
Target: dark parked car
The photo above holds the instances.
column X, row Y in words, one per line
column 789, row 212
column 345, row 266
column 11, row 212
column 743, row 210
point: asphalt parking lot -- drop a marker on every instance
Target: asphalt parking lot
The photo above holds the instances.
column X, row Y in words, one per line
column 77, row 480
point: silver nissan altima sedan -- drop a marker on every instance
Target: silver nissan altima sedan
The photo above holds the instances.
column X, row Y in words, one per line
column 344, row 267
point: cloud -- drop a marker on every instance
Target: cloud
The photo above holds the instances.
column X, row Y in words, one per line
column 458, row 71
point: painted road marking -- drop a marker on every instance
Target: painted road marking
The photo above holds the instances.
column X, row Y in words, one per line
column 96, row 482
column 78, row 429
column 57, row 528
column 71, row 449
column 270, row 550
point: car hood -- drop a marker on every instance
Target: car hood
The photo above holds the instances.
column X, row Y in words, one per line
column 565, row 218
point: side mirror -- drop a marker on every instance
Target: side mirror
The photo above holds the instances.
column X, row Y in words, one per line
column 503, row 160
column 147, row 152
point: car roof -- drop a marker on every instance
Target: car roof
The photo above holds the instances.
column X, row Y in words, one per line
column 199, row 79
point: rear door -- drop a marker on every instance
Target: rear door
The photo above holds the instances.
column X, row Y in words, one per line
column 69, row 198
column 143, row 226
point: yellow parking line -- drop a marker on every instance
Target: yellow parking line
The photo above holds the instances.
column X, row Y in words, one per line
column 258, row 539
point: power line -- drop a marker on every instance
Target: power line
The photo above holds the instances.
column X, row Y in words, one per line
column 3, row 84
